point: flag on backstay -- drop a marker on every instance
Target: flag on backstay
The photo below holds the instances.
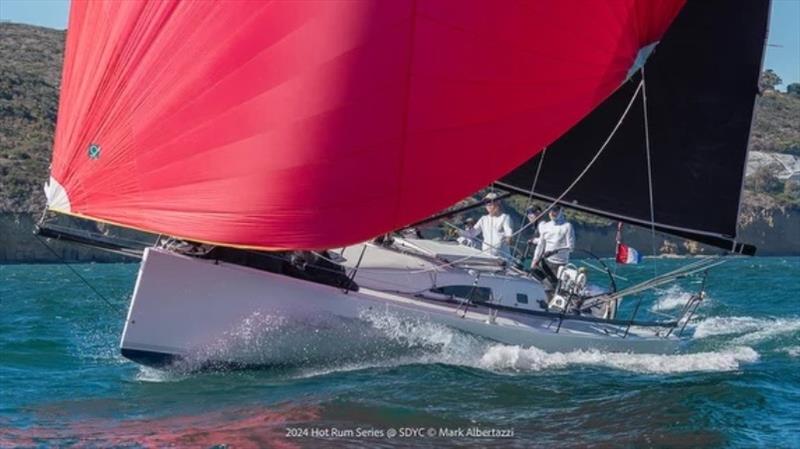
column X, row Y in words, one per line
column 627, row 255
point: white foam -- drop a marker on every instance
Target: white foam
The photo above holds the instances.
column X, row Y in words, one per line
column 385, row 339
column 147, row 374
column 750, row 329
column 533, row 359
column 672, row 298
column 793, row 351
column 453, row 347
column 714, row 326
column 443, row 344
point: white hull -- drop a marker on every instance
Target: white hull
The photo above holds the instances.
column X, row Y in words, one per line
column 199, row 310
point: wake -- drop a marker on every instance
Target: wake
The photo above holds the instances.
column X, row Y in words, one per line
column 749, row 330
column 383, row 339
column 453, row 347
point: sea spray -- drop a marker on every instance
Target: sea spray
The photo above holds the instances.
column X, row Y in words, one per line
column 749, row 329
column 451, row 346
column 673, row 298
column 385, row 339
column 792, row 351
column 515, row 358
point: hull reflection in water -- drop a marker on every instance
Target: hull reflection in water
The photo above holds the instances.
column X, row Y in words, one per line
column 242, row 428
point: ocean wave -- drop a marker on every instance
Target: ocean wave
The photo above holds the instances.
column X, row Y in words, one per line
column 749, row 329
column 153, row 375
column 533, row 359
column 793, row 351
column 385, row 339
column 672, row 298
column 457, row 348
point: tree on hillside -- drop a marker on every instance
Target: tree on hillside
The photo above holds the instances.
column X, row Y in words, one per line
column 768, row 80
column 793, row 89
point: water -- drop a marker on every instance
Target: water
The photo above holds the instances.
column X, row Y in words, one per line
column 63, row 383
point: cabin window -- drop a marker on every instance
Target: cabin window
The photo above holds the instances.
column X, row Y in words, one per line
column 476, row 294
column 522, row 298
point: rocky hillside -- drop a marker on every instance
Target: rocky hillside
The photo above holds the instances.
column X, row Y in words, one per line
column 30, row 67
column 30, row 71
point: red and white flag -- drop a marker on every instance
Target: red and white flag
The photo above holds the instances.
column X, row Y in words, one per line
column 627, row 255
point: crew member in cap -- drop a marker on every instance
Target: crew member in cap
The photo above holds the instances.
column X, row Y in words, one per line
column 494, row 228
column 554, row 245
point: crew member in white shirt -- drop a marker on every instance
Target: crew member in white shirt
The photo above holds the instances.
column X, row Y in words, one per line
column 494, row 228
column 555, row 244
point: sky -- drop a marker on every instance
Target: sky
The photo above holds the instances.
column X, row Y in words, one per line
column 783, row 50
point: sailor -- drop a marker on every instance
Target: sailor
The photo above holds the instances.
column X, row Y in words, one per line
column 494, row 229
column 534, row 215
column 553, row 246
column 535, row 219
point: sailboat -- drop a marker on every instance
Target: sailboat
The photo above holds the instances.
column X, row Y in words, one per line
column 273, row 150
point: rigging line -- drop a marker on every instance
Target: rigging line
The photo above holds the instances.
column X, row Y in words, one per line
column 650, row 192
column 591, row 162
column 529, row 201
column 111, row 305
column 683, row 271
column 455, row 211
column 570, row 187
column 596, row 268
column 355, row 269
column 91, row 234
column 499, row 248
column 649, row 174
column 663, row 279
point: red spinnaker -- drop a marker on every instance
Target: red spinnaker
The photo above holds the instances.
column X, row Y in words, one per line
column 315, row 124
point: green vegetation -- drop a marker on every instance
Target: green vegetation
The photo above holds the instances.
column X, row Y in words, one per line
column 776, row 127
column 793, row 89
column 768, row 80
column 30, row 68
column 765, row 188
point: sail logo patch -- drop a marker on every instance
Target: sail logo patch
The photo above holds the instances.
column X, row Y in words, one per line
column 94, row 151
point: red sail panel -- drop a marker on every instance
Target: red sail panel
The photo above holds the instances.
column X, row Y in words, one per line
column 316, row 124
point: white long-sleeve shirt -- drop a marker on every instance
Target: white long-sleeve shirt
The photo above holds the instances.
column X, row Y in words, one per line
column 494, row 230
column 555, row 236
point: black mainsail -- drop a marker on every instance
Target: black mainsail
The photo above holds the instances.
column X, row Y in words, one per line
column 701, row 82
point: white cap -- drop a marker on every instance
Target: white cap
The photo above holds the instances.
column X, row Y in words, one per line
column 491, row 196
